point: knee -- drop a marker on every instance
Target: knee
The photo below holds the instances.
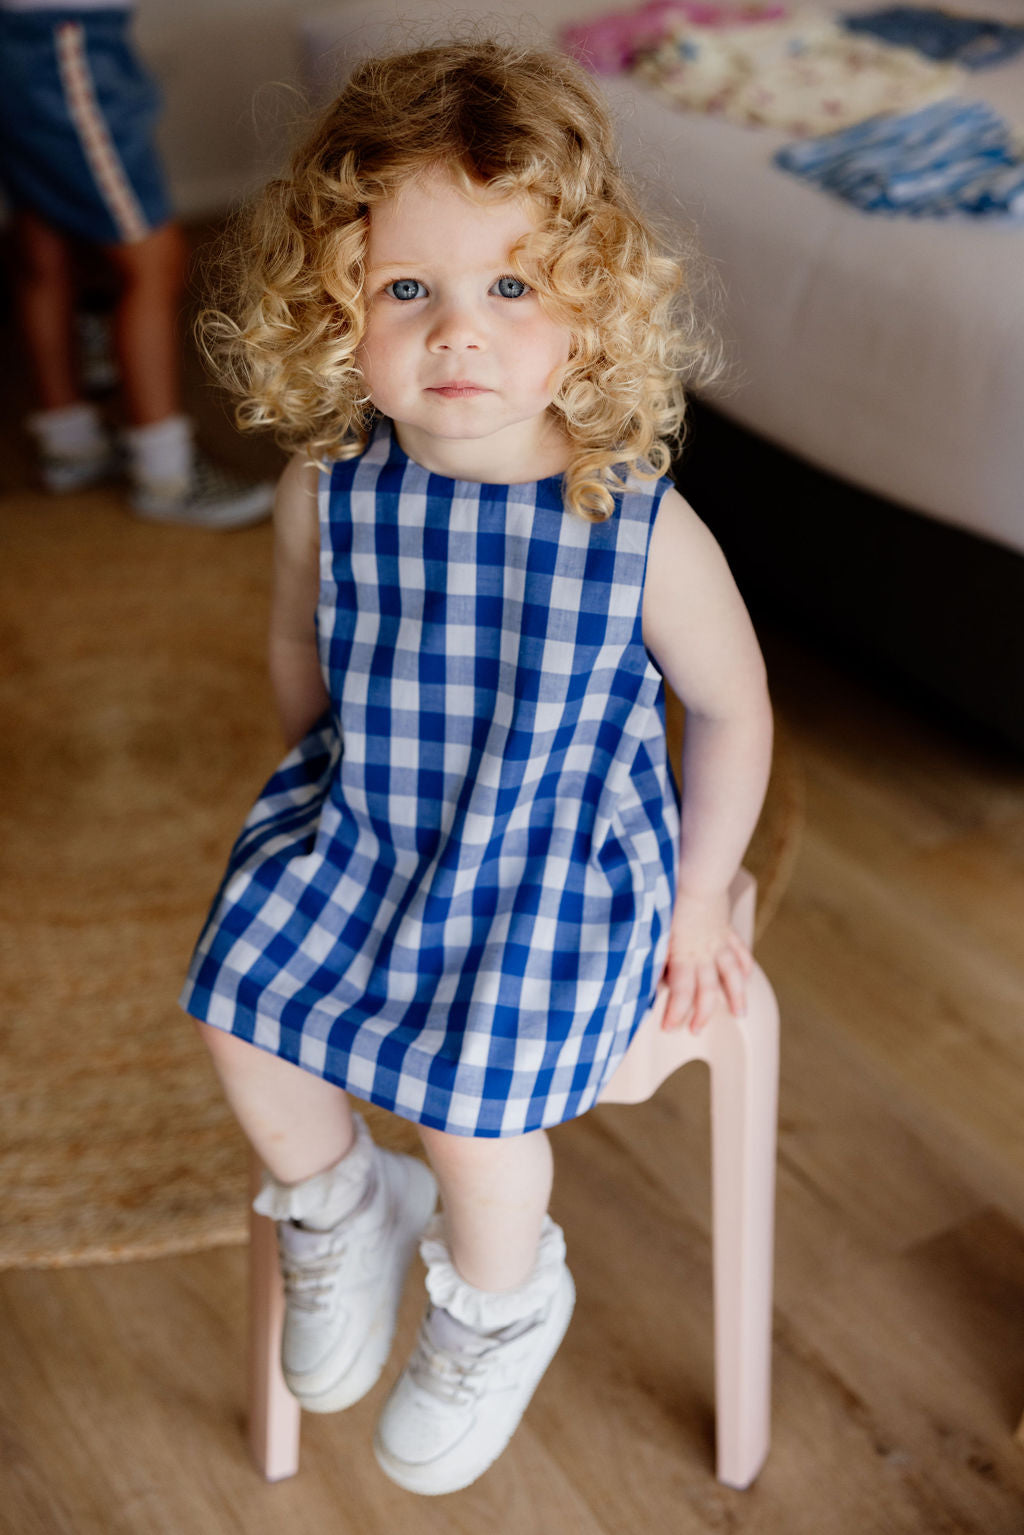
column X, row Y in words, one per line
column 443, row 1150
column 156, row 263
column 43, row 254
column 448, row 1150
column 466, row 1161
column 226, row 1049
column 210, row 1037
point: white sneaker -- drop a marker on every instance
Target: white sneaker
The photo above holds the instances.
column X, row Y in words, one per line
column 461, row 1396
column 210, row 497
column 343, row 1286
column 64, row 472
column 73, row 446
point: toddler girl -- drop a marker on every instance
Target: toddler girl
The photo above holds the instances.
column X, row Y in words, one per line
column 457, row 896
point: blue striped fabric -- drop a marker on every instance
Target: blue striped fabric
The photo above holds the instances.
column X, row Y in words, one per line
column 453, row 897
column 971, row 41
column 951, row 159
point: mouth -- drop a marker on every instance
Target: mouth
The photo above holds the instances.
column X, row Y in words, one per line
column 458, row 389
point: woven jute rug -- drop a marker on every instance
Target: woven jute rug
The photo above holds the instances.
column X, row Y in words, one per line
column 138, row 727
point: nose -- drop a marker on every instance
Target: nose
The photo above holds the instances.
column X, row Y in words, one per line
column 457, row 327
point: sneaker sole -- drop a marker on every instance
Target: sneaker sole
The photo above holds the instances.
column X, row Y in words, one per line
column 364, row 1371
column 218, row 519
column 57, row 483
column 428, row 1479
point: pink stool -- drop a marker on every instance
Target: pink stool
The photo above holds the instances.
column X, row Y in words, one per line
column 743, row 1057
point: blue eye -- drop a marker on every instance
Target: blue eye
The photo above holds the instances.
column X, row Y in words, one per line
column 406, row 288
column 509, row 287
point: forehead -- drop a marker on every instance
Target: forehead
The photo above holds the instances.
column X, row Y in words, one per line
column 430, row 218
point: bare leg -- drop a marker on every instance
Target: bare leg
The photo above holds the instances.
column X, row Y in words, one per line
column 152, row 274
column 297, row 1123
column 500, row 1300
column 495, row 1195
column 44, row 284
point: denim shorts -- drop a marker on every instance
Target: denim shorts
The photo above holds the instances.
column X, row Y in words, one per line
column 77, row 113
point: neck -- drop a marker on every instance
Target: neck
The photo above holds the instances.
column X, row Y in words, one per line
column 519, row 455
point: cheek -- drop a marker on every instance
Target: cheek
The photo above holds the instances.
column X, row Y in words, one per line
column 375, row 356
column 554, row 347
column 364, row 358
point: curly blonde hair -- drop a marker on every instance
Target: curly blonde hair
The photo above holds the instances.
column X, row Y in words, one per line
column 519, row 122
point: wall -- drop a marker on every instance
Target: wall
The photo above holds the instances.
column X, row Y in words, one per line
column 227, row 69
column 231, row 75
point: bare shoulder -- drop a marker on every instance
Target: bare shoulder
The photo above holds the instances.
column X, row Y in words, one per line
column 297, row 487
column 296, row 507
column 695, row 622
column 684, row 561
column 678, row 531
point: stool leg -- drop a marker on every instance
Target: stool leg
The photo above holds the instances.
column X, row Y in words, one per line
column 274, row 1414
column 743, row 1058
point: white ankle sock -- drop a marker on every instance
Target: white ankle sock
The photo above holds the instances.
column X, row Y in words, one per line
column 72, row 429
column 491, row 1310
column 162, row 451
column 323, row 1200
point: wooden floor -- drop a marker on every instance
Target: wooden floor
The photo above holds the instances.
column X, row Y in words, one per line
column 899, row 1363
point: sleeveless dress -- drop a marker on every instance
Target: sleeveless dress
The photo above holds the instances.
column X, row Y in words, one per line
column 453, row 896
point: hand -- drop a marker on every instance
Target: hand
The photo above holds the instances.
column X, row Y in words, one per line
column 707, row 962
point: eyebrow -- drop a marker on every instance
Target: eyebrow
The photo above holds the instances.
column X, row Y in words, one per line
column 389, row 270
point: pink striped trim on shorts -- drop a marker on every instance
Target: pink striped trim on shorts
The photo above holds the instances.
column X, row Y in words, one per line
column 112, row 181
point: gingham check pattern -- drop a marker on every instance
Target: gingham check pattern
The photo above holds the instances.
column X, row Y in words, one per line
column 453, row 897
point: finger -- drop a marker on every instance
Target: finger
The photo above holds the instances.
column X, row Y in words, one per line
column 733, row 982
column 681, row 985
column 741, row 951
column 706, row 994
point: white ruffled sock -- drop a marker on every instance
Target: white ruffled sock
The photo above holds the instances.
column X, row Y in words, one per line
column 488, row 1311
column 325, row 1199
column 70, row 430
column 160, row 454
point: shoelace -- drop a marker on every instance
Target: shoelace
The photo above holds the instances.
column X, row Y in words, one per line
column 308, row 1281
column 455, row 1370
column 453, row 1377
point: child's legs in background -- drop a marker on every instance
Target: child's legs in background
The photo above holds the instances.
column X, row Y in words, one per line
column 152, row 274
column 297, row 1123
column 495, row 1196
column 44, row 283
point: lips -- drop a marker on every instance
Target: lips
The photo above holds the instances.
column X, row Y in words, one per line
column 458, row 389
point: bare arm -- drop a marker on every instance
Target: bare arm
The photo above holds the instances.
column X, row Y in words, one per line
column 295, row 674
column 698, row 630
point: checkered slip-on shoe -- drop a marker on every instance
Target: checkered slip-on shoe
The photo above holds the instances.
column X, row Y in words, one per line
column 211, row 497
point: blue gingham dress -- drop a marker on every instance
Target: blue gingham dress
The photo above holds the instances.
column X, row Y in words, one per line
column 453, row 896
